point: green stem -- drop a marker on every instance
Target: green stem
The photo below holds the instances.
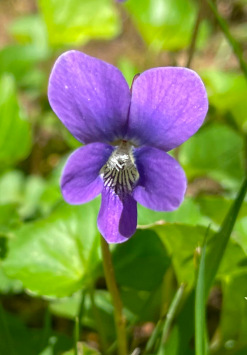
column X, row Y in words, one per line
column 200, row 300
column 170, row 317
column 132, row 323
column 46, row 328
column 191, row 50
column 117, row 303
column 154, row 336
column 99, row 325
column 78, row 321
column 245, row 153
column 81, row 308
column 167, row 294
column 5, row 333
column 76, row 335
column 238, row 53
column 233, row 43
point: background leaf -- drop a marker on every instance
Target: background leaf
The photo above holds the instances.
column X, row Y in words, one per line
column 62, row 251
column 75, row 21
column 164, row 24
column 216, row 151
column 146, row 273
column 15, row 138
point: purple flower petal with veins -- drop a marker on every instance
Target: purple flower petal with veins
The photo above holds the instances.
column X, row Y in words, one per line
column 127, row 136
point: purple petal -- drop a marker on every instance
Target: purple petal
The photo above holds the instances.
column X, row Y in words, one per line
column 117, row 217
column 80, row 181
column 90, row 97
column 168, row 106
column 162, row 181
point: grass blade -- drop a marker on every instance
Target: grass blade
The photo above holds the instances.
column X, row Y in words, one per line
column 170, row 317
column 217, row 245
column 200, row 301
column 231, row 40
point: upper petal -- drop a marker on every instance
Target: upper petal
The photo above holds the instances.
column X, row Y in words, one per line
column 162, row 182
column 81, row 181
column 168, row 105
column 90, row 97
column 117, row 218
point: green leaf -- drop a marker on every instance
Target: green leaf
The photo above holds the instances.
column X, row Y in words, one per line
column 217, row 245
column 31, row 194
column 215, row 151
column 181, row 242
column 142, row 306
column 14, row 336
column 11, row 184
column 233, row 321
column 15, row 138
column 216, row 207
column 188, row 213
column 141, row 262
column 227, row 92
column 19, row 60
column 216, row 250
column 240, row 234
column 17, row 339
column 68, row 307
column 165, row 24
column 182, row 334
column 128, row 69
column 20, row 30
column 83, row 349
column 58, row 255
column 8, row 285
column 171, row 313
column 233, row 261
column 24, row 194
column 9, row 219
column 76, row 21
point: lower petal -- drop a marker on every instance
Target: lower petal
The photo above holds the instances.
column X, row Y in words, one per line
column 117, row 218
column 162, row 182
column 81, row 181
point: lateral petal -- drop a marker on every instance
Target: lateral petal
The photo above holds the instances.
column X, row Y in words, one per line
column 81, row 182
column 162, row 182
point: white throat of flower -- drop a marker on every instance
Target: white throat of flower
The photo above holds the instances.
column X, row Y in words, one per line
column 120, row 173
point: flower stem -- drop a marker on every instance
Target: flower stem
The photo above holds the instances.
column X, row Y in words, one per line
column 231, row 40
column 117, row 303
column 191, row 50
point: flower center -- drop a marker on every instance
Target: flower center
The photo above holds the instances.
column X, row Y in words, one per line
column 120, row 173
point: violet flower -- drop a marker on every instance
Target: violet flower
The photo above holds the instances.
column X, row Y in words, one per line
column 126, row 135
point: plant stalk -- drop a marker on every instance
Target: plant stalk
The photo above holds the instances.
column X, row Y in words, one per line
column 231, row 40
column 117, row 303
column 199, row 18
column 170, row 317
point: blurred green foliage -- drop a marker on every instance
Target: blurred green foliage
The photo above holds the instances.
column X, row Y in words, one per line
column 74, row 22
column 50, row 263
column 166, row 24
column 15, row 138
